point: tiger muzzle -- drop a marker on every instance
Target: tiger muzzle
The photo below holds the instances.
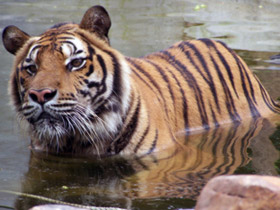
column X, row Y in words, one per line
column 42, row 96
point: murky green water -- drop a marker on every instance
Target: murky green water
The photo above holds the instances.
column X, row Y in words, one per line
column 172, row 179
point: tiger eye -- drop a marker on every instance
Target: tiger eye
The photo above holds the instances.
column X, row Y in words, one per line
column 31, row 69
column 77, row 62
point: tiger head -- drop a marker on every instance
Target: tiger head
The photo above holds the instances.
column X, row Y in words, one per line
column 68, row 84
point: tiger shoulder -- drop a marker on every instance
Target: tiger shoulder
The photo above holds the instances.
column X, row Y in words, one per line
column 77, row 94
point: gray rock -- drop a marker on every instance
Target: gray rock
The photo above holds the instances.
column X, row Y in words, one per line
column 240, row 192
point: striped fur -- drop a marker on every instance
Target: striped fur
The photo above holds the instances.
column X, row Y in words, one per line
column 102, row 103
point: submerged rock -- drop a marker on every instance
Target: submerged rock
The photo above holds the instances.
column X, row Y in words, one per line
column 240, row 192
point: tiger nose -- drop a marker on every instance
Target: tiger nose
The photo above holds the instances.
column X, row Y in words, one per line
column 42, row 96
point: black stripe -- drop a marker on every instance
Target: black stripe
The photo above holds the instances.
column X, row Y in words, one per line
column 50, row 36
column 253, row 109
column 208, row 42
column 62, row 105
column 91, row 52
column 36, row 47
column 21, row 67
column 151, row 79
column 66, row 32
column 153, row 146
column 241, row 69
column 184, row 100
column 64, row 37
column 103, row 81
column 26, row 114
column 116, row 90
column 164, row 77
column 68, row 98
column 247, row 76
column 104, row 70
column 45, row 39
column 27, row 107
column 93, row 84
column 90, row 70
column 267, row 99
column 83, row 37
column 229, row 100
column 120, row 143
column 136, row 73
column 117, row 82
column 130, row 106
column 214, row 117
column 85, row 93
column 190, row 79
column 142, row 139
column 201, row 59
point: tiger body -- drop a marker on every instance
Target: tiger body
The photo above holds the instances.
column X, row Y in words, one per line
column 194, row 86
column 77, row 94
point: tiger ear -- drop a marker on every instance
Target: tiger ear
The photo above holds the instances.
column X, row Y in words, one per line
column 96, row 19
column 13, row 38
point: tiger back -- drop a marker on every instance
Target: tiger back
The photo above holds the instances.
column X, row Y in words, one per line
column 77, row 94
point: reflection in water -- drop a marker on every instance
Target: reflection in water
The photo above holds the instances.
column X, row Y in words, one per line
column 179, row 172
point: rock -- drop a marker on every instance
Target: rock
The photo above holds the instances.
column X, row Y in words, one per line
column 240, row 192
column 66, row 207
column 55, row 207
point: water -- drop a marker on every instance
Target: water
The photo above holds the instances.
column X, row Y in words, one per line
column 174, row 178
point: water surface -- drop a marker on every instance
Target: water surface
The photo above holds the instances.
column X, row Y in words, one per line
column 172, row 179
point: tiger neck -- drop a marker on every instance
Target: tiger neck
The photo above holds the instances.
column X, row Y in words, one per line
column 129, row 126
column 116, row 135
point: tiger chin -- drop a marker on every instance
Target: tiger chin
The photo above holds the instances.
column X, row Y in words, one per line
column 78, row 95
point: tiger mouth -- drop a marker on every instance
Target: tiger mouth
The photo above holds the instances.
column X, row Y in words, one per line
column 45, row 117
column 47, row 127
column 52, row 125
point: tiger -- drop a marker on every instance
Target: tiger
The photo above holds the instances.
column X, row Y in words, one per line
column 76, row 94
column 138, row 182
